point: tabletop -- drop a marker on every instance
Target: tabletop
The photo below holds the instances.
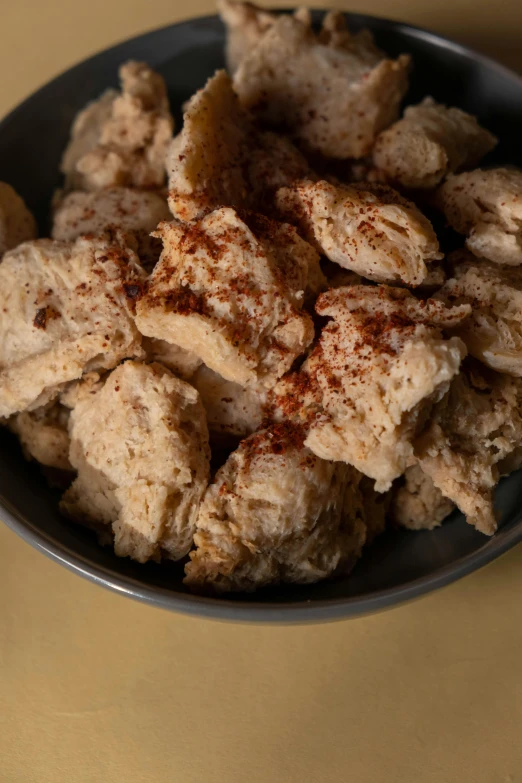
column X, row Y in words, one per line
column 95, row 688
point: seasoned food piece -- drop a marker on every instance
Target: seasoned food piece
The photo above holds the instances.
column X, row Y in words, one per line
column 418, row 504
column 334, row 95
column 246, row 24
column 65, row 309
column 140, row 446
column 231, row 291
column 430, row 142
column 43, row 434
column 370, row 381
column 17, row 224
column 232, row 410
column 123, row 138
column 376, row 507
column 486, row 206
column 369, row 229
column 276, row 513
column 472, row 430
column 181, row 362
column 493, row 334
column 135, row 212
column 220, row 159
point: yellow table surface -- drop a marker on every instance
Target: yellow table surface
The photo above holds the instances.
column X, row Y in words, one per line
column 95, row 688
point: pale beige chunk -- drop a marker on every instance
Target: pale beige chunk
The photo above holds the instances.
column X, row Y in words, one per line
column 231, row 292
column 473, row 429
column 181, row 362
column 334, row 95
column 220, row 159
column 486, row 206
column 246, row 24
column 276, row 513
column 429, row 142
column 136, row 212
column 418, row 504
column 140, row 446
column 123, row 138
column 65, row 309
column 369, row 229
column 17, row 224
column 493, row 334
column 233, row 411
column 43, row 434
column 370, row 382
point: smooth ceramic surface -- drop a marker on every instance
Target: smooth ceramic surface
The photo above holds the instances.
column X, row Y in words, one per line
column 400, row 566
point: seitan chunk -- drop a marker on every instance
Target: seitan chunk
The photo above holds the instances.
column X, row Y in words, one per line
column 17, row 224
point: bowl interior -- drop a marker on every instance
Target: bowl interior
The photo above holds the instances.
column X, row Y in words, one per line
column 399, row 564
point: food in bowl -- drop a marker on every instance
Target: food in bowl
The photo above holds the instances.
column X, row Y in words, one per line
column 255, row 345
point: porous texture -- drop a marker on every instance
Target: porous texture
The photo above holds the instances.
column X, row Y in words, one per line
column 123, row 137
column 276, row 513
column 16, row 222
column 417, row 503
column 220, row 159
column 231, row 291
column 140, row 446
column 43, row 434
column 246, row 24
column 368, row 229
column 333, row 92
column 369, row 383
column 65, row 309
column 486, row 206
column 429, row 142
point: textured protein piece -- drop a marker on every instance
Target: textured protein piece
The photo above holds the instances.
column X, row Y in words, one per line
column 246, row 24
column 231, row 290
column 221, row 159
column 140, row 445
column 429, row 142
column 181, row 362
column 65, row 309
column 276, row 513
column 136, row 212
column 418, row 504
column 493, row 334
column 17, row 224
column 43, row 435
column 369, row 229
column 122, row 138
column 369, row 383
column 333, row 92
column 233, row 411
column 486, row 206
column 476, row 426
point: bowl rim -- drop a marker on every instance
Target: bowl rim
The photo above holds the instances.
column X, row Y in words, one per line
column 263, row 611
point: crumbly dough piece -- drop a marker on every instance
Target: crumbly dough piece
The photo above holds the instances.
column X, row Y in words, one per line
column 181, row 362
column 369, row 383
column 246, row 24
column 486, row 206
column 334, row 93
column 369, row 229
column 65, row 309
column 43, row 434
column 233, row 411
column 140, row 445
column 136, row 212
column 231, row 290
column 220, row 159
column 429, row 142
column 493, row 334
column 276, row 513
column 473, row 429
column 17, row 224
column 123, row 138
column 418, row 504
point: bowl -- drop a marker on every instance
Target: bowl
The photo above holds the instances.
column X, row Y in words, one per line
column 400, row 565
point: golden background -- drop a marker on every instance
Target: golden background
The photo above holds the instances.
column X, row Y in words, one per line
column 95, row 688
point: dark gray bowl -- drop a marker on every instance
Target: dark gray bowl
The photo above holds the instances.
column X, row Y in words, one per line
column 401, row 565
